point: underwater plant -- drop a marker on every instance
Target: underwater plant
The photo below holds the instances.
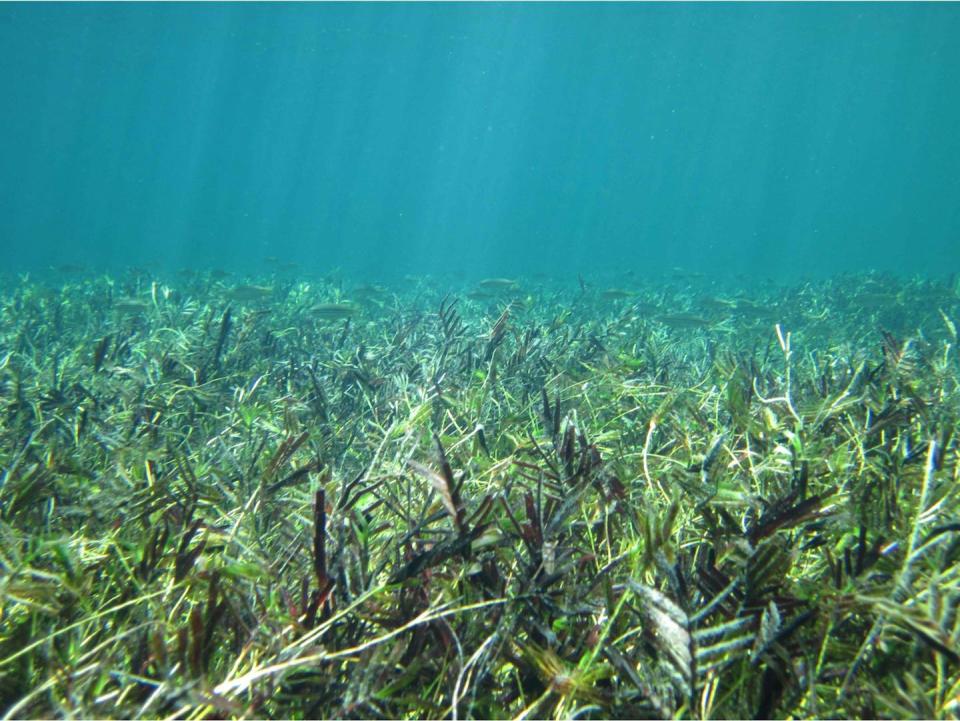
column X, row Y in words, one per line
column 646, row 500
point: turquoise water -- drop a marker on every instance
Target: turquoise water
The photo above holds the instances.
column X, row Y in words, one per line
column 472, row 140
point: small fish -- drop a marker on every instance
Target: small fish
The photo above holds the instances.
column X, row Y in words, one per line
column 716, row 303
column 498, row 283
column 370, row 291
column 249, row 293
column 616, row 293
column 631, row 362
column 100, row 353
column 334, row 311
column 131, row 306
column 874, row 300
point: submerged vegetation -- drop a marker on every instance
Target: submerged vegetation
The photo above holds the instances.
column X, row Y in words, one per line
column 510, row 499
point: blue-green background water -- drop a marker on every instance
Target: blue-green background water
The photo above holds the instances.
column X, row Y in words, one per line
column 771, row 139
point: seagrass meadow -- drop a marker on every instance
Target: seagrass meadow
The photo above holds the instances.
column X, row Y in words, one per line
column 535, row 497
column 479, row 360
